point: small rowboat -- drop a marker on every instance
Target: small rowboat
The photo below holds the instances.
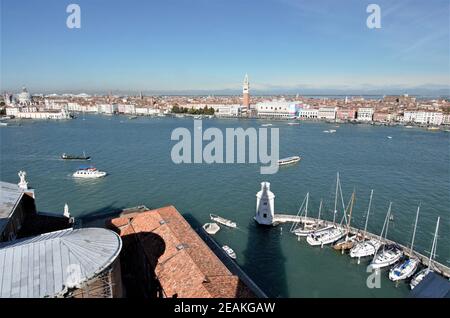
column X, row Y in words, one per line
column 222, row 221
column 211, row 228
column 229, row 251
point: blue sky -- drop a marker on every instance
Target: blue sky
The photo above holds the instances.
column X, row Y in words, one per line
column 208, row 45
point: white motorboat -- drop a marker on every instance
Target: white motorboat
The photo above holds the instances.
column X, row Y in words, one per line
column 229, row 251
column 293, row 124
column 389, row 255
column 289, row 160
column 3, row 124
column 424, row 272
column 332, row 131
column 223, row 221
column 89, row 173
column 266, row 125
column 365, row 248
column 211, row 228
column 389, row 137
column 408, row 267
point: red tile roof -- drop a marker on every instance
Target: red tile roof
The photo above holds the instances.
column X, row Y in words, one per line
column 185, row 265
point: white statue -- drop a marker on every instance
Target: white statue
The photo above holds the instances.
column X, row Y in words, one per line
column 66, row 211
column 23, row 184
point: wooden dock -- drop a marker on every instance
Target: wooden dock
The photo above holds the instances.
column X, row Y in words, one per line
column 438, row 267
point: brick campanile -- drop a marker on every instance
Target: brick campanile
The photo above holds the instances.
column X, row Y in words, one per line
column 246, row 93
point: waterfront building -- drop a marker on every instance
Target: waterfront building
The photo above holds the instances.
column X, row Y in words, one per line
column 346, row 114
column 446, row 119
column 308, row 113
column 33, row 113
column 24, row 97
column 108, row 109
column 126, row 109
column 163, row 256
column 383, row 117
column 265, row 205
column 327, row 113
column 18, row 214
column 222, row 110
column 246, row 93
column 277, row 109
column 365, row 114
column 81, row 263
column 423, row 117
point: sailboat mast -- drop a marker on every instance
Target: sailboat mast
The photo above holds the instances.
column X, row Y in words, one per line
column 387, row 221
column 306, row 209
column 433, row 247
column 414, row 232
column 335, row 199
column 368, row 213
column 320, row 209
column 350, row 214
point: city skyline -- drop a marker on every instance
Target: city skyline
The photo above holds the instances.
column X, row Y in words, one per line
column 286, row 47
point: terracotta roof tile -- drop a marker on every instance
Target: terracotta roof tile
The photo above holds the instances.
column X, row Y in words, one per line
column 184, row 265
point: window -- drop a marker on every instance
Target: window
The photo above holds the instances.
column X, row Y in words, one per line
column 265, row 215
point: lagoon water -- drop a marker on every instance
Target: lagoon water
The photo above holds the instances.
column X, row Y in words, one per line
column 411, row 168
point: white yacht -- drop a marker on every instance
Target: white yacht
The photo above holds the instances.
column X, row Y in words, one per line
column 365, row 248
column 223, row 221
column 408, row 267
column 325, row 236
column 424, row 272
column 305, row 227
column 289, row 160
column 229, row 251
column 89, row 173
column 389, row 255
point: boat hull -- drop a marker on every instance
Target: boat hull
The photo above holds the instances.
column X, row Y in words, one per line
column 404, row 270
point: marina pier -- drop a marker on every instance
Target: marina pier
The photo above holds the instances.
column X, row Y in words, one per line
column 288, row 218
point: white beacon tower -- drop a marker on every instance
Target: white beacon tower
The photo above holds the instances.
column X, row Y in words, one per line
column 265, row 205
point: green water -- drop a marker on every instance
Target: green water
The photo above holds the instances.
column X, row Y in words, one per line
column 411, row 167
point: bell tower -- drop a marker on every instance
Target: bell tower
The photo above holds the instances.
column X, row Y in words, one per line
column 265, row 205
column 246, row 93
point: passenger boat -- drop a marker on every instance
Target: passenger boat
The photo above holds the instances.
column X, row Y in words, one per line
column 223, row 221
column 132, row 117
column 229, row 251
column 65, row 156
column 406, row 268
column 424, row 272
column 289, row 160
column 293, row 124
column 89, row 173
column 211, row 228
column 390, row 253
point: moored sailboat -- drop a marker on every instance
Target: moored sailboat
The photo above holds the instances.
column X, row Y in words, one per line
column 406, row 268
column 390, row 253
column 424, row 272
